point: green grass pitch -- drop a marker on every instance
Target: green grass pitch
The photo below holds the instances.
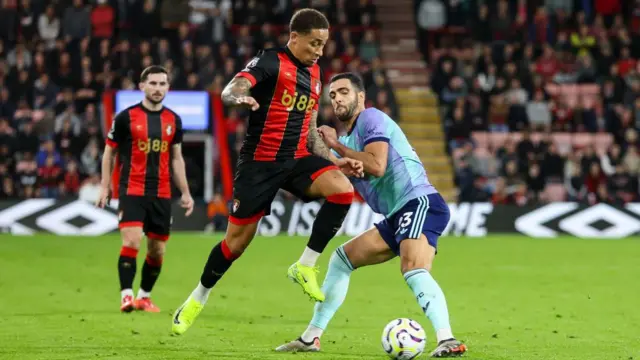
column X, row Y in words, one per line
column 510, row 298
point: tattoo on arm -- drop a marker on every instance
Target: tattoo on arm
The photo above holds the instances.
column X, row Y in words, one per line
column 316, row 145
column 237, row 88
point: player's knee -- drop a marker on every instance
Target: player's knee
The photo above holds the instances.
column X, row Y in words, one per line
column 156, row 249
column 237, row 244
column 343, row 185
column 341, row 193
column 131, row 239
column 414, row 260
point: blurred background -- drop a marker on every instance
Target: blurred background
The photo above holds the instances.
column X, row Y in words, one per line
column 514, row 103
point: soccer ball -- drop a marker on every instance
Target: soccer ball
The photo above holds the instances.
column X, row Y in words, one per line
column 403, row 339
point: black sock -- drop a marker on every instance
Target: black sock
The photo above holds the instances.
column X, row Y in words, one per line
column 150, row 273
column 329, row 220
column 127, row 267
column 220, row 260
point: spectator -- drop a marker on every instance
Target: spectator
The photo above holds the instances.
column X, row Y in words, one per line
column 76, row 23
column 49, row 27
column 49, row 176
column 70, row 184
column 368, row 47
column 102, row 20
column 535, row 182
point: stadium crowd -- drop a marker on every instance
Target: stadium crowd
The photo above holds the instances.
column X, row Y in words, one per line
column 58, row 57
column 541, row 101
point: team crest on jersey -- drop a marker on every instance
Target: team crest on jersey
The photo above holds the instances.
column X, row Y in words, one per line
column 120, row 216
column 236, row 205
column 318, row 87
column 169, row 130
column 251, row 64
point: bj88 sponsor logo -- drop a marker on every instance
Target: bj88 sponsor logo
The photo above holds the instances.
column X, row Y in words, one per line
column 153, row 145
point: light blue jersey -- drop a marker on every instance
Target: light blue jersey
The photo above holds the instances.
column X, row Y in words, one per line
column 405, row 178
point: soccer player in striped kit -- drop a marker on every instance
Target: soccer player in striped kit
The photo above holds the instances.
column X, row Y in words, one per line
column 147, row 137
column 281, row 150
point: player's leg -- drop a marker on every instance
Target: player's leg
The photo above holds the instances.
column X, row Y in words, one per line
column 237, row 238
column 150, row 273
column 131, row 216
column 313, row 178
column 368, row 248
column 158, row 227
column 419, row 226
column 254, row 189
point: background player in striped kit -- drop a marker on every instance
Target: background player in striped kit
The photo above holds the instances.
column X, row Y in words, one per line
column 148, row 140
column 395, row 185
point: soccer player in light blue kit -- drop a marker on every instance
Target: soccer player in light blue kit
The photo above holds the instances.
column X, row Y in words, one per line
column 395, row 185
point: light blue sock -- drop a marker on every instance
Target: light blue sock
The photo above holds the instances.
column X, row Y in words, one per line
column 334, row 287
column 431, row 299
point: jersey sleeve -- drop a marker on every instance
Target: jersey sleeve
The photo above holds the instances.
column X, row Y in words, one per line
column 264, row 65
column 317, row 105
column 374, row 128
column 119, row 128
column 177, row 138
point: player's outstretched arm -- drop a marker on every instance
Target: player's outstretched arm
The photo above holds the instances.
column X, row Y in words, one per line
column 314, row 141
column 236, row 93
column 180, row 177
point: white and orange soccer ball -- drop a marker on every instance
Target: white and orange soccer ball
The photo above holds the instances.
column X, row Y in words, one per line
column 403, row 339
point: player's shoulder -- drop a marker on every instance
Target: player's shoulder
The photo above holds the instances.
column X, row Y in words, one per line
column 266, row 56
column 173, row 113
column 374, row 115
column 126, row 113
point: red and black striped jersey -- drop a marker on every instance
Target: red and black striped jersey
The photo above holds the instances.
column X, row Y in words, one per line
column 287, row 91
column 145, row 140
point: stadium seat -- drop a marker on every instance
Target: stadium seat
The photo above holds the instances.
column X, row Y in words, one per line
column 602, row 142
column 498, row 139
column 481, row 139
column 581, row 140
column 562, row 142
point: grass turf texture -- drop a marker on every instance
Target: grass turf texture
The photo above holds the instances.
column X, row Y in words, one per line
column 509, row 297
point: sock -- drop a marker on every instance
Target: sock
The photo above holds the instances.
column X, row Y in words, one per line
column 309, row 257
column 143, row 294
column 220, row 260
column 126, row 292
column 432, row 301
column 127, row 267
column 335, row 287
column 311, row 333
column 328, row 222
column 150, row 273
column 201, row 293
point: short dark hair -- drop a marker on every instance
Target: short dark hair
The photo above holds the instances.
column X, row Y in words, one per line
column 153, row 69
column 354, row 78
column 305, row 20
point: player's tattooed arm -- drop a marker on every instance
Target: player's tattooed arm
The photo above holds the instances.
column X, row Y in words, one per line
column 236, row 93
column 315, row 143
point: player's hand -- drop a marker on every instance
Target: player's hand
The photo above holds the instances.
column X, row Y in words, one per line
column 328, row 135
column 351, row 167
column 104, row 198
column 248, row 101
column 186, row 202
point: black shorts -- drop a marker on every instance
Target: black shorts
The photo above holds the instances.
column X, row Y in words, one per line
column 152, row 214
column 257, row 183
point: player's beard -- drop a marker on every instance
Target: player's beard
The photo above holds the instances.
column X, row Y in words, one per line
column 153, row 101
column 347, row 115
